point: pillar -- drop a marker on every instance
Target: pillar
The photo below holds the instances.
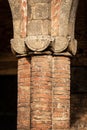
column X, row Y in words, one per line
column 43, row 93
column 44, row 67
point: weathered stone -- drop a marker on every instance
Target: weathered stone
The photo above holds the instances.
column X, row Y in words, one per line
column 46, row 28
column 18, row 46
column 73, row 47
column 41, row 11
column 38, row 1
column 60, row 44
column 16, row 26
column 38, row 43
column 35, row 27
column 15, row 7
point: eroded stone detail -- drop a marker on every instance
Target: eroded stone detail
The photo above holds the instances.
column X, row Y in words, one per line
column 42, row 42
column 38, row 43
column 18, row 46
column 72, row 48
column 43, row 16
column 60, row 44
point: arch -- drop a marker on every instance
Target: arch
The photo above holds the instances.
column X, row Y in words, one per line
column 67, row 17
column 72, row 18
column 63, row 14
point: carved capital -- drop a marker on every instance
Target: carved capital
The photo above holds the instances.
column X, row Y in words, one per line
column 60, row 44
column 38, row 43
column 44, row 45
column 18, row 46
column 31, row 44
column 64, row 45
column 72, row 47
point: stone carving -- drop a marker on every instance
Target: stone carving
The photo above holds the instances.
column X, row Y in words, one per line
column 60, row 44
column 18, row 46
column 38, row 43
column 72, row 48
column 30, row 43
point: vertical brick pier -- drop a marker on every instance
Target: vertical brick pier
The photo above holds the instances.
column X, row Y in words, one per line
column 23, row 119
column 44, row 66
column 44, row 93
column 41, row 93
column 61, row 93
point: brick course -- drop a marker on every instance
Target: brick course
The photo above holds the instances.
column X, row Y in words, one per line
column 23, row 94
column 44, row 93
column 41, row 91
column 61, row 93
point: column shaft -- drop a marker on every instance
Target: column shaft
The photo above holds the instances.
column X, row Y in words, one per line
column 61, row 93
column 23, row 119
column 41, row 93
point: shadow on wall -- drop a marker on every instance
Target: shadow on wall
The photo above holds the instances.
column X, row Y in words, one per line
column 79, row 71
column 8, row 102
column 79, row 111
column 79, row 97
column 6, row 26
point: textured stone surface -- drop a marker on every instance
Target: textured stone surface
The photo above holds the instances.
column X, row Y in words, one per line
column 38, row 43
column 39, row 1
column 15, row 8
column 41, row 11
column 35, row 27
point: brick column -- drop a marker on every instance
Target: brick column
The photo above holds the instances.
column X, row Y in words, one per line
column 61, row 93
column 41, row 93
column 23, row 117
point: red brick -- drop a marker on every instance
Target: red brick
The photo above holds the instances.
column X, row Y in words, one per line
column 41, row 97
column 23, row 119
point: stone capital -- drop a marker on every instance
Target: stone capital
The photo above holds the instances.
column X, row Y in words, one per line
column 64, row 45
column 18, row 46
column 43, row 44
column 38, row 43
column 34, row 44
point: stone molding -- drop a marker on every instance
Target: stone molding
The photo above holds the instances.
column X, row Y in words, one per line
column 31, row 43
column 43, row 44
column 38, row 43
column 60, row 44
column 18, row 46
